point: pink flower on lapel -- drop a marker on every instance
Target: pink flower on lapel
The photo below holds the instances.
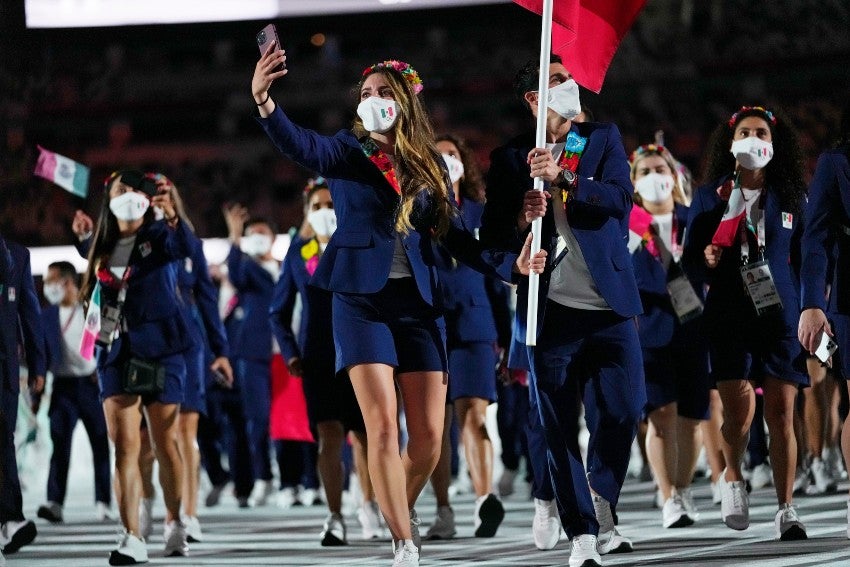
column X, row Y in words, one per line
column 312, row 264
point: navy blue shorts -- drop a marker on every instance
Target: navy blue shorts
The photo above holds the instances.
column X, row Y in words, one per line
column 472, row 371
column 330, row 396
column 110, row 377
column 672, row 376
column 194, row 391
column 743, row 350
column 393, row 326
column 841, row 330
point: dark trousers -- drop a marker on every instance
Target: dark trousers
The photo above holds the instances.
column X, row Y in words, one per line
column 603, row 349
column 297, row 461
column 255, row 384
column 11, row 502
column 224, row 430
column 77, row 398
column 538, row 459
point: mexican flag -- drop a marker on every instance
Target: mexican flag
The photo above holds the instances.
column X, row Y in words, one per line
column 92, row 328
column 64, row 172
column 736, row 210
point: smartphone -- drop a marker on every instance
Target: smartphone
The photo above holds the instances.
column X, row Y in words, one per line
column 267, row 35
column 826, row 348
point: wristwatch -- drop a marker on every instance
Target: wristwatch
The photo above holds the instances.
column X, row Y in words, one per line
column 569, row 178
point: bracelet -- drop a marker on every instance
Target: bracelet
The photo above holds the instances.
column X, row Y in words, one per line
column 268, row 95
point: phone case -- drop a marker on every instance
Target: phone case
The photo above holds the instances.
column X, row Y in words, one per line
column 265, row 37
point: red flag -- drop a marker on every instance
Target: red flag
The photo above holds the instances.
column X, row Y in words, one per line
column 586, row 34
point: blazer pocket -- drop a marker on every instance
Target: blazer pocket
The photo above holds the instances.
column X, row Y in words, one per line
column 621, row 261
column 352, row 239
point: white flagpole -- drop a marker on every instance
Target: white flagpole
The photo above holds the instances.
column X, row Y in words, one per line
column 540, row 142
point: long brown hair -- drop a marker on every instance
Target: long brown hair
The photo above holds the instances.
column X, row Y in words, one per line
column 417, row 161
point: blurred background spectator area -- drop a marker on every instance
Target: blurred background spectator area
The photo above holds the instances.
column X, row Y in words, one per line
column 176, row 98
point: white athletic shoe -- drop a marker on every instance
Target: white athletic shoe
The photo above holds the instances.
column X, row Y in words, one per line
column 444, row 524
column 333, row 532
column 823, row 481
column 176, row 539
column 261, row 492
column 194, row 534
column 406, row 555
column 788, row 525
column 802, row 480
column 286, row 498
column 735, row 503
column 308, row 496
column 414, row 534
column 369, row 516
column 584, row 551
column 103, row 512
column 131, row 551
column 761, row 476
column 609, row 540
column 546, row 527
column 690, row 504
column 715, row 492
column 674, row 514
column 145, row 517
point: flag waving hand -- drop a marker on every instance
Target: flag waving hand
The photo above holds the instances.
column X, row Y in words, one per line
column 586, row 34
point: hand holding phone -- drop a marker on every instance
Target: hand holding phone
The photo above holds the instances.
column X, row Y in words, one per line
column 826, row 348
column 271, row 66
column 267, row 37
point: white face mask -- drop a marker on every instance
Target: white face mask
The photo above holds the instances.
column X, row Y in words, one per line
column 564, row 99
column 256, row 244
column 54, row 292
column 655, row 187
column 129, row 206
column 455, row 167
column 323, row 221
column 752, row 153
column 378, row 114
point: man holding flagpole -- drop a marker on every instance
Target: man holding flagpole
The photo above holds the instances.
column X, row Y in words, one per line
column 586, row 339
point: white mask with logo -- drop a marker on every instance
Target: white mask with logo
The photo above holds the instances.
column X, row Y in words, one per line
column 752, row 153
column 564, row 99
column 655, row 187
column 256, row 244
column 378, row 114
column 323, row 221
column 54, row 292
column 455, row 167
column 129, row 206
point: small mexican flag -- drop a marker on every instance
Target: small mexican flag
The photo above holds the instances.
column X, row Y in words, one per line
column 66, row 173
column 92, row 328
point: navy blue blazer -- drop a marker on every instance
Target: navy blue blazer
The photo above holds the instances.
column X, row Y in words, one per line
column 658, row 321
column 20, row 316
column 598, row 213
column 727, row 296
column 828, row 226
column 315, row 332
column 359, row 255
column 199, row 293
column 252, row 336
column 466, row 303
column 156, row 322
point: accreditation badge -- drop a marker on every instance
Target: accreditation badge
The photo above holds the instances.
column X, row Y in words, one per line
column 758, row 281
column 686, row 303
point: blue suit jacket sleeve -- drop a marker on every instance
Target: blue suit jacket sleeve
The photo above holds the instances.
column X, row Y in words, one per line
column 492, row 262
column 818, row 238
column 31, row 325
column 703, row 218
column 206, row 298
column 612, row 194
column 280, row 311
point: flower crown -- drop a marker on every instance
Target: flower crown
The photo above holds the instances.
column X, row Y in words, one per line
column 318, row 183
column 734, row 120
column 647, row 149
column 408, row 72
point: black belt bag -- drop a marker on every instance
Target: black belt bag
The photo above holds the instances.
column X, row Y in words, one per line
column 143, row 377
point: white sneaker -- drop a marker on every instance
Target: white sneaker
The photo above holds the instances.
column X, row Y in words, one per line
column 369, row 516
column 835, row 461
column 546, row 527
column 674, row 514
column 176, row 539
column 286, row 498
column 506, row 483
column 489, row 514
column 261, row 492
column 715, row 492
column 414, row 532
column 802, row 480
column 333, row 532
column 145, row 518
column 761, row 476
column 583, row 551
column 788, row 525
column 688, row 500
column 131, row 551
column 406, row 555
column 735, row 503
column 103, row 512
column 16, row 535
column 444, row 524
column 193, row 529
column 823, row 481
column 308, row 496
column 609, row 539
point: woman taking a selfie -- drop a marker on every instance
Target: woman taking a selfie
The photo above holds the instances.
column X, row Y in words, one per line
column 391, row 195
column 142, row 335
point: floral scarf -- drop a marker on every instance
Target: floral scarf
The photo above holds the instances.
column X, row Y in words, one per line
column 381, row 161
